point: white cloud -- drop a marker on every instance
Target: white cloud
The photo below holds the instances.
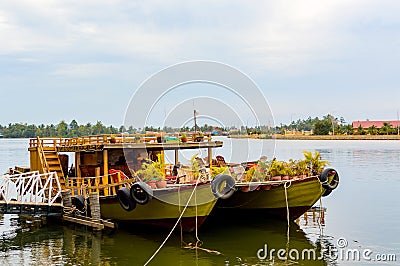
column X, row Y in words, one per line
column 303, row 45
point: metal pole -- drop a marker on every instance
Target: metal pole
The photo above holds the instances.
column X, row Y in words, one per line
column 195, row 124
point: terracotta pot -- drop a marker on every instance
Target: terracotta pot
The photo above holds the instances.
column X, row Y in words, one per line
column 286, row 177
column 113, row 140
column 152, row 184
column 161, row 184
column 184, row 140
column 266, row 187
column 276, row 178
column 245, row 189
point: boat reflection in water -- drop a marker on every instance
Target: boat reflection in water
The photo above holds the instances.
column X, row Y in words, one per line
column 238, row 242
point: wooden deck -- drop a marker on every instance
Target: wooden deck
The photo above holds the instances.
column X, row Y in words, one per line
column 30, row 208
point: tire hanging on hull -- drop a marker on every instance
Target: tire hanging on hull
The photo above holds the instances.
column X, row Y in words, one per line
column 125, row 200
column 324, row 179
column 141, row 193
column 228, row 188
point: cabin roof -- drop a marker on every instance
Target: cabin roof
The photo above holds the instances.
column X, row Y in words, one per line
column 101, row 142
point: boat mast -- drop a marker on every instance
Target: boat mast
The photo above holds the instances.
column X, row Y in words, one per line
column 195, row 124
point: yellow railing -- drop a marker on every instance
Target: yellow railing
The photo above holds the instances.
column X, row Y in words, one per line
column 86, row 185
column 115, row 138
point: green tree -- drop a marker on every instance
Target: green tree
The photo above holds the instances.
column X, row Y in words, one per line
column 386, row 128
column 322, row 127
column 360, row 130
column 62, row 129
column 372, row 130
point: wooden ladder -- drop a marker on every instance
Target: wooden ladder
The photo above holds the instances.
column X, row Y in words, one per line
column 50, row 161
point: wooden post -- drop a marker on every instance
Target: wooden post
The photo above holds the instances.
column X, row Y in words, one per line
column 97, row 179
column 95, row 208
column 113, row 187
column 176, row 157
column 105, row 172
column 210, row 157
column 78, row 164
column 66, row 198
column 119, row 180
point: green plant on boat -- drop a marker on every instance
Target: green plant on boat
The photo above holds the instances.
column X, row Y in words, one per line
column 301, row 168
column 195, row 166
column 314, row 161
column 265, row 170
column 217, row 170
column 276, row 168
column 151, row 171
column 255, row 173
column 183, row 137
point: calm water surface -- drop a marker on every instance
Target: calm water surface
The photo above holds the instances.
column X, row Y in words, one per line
column 364, row 211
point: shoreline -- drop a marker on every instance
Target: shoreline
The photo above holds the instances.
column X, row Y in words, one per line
column 323, row 137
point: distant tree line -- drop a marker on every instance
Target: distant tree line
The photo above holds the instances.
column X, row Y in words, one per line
column 328, row 124
column 73, row 129
column 62, row 129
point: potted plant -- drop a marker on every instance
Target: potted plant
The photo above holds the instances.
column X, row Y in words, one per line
column 302, row 169
column 183, row 137
column 275, row 170
column 160, row 138
column 150, row 173
column 217, row 170
column 113, row 139
column 160, row 167
column 314, row 161
column 137, row 139
column 199, row 137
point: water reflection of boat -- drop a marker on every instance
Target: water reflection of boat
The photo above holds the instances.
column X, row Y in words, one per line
column 237, row 242
column 240, row 241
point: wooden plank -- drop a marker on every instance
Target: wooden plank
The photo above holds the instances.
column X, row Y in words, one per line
column 30, row 203
column 106, row 223
column 83, row 222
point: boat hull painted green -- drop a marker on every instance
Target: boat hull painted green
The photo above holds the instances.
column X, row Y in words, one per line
column 164, row 209
column 269, row 201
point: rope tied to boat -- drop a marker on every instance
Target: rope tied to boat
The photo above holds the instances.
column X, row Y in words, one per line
column 69, row 210
column 176, row 224
column 321, row 212
column 286, row 186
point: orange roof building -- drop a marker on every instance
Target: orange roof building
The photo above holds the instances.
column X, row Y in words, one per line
column 377, row 124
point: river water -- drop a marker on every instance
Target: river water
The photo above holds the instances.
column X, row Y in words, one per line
column 361, row 216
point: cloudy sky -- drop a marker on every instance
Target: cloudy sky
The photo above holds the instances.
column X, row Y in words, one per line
column 83, row 60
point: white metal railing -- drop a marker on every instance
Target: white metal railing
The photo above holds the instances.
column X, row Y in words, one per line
column 30, row 187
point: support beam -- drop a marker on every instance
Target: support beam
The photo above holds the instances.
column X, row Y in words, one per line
column 105, row 172
column 209, row 156
column 176, row 157
column 78, row 164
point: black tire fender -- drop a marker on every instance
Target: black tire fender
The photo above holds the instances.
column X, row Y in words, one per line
column 228, row 186
column 79, row 202
column 141, row 193
column 125, row 200
column 324, row 179
column 327, row 192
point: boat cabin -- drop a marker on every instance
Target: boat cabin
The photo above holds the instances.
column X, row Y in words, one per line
column 109, row 159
